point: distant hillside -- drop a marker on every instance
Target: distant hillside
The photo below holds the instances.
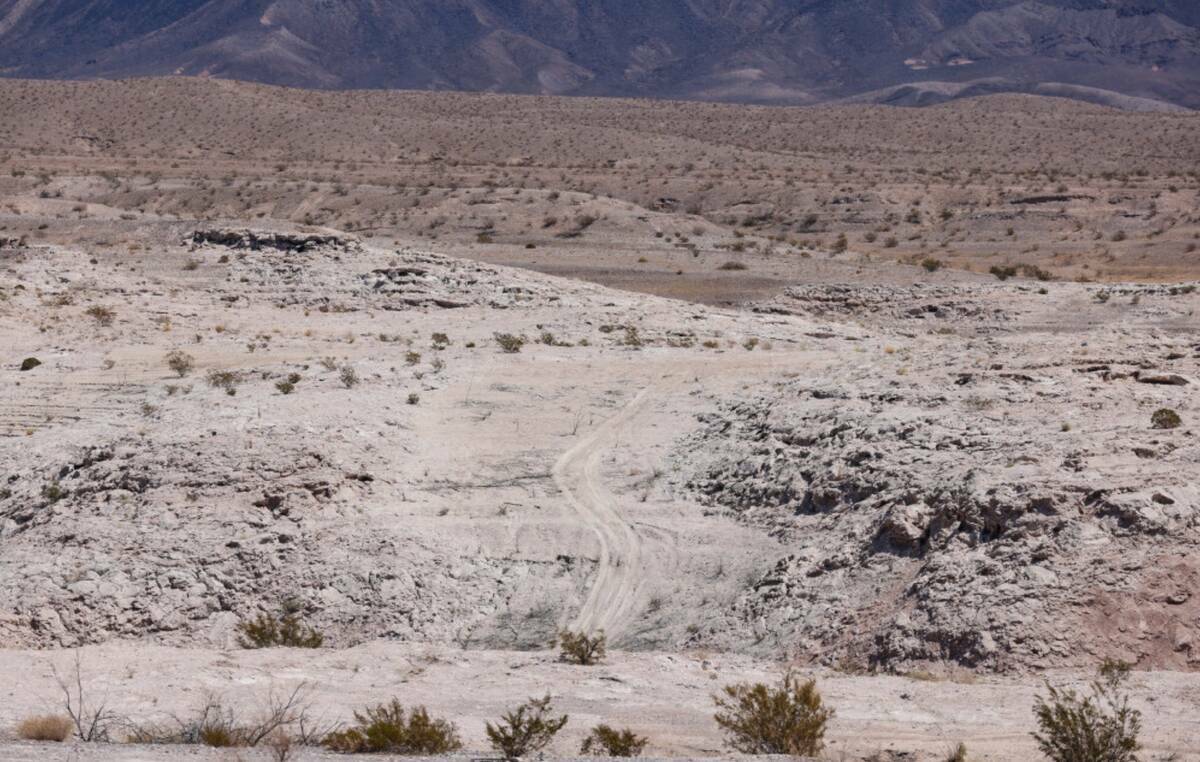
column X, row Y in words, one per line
column 1140, row 53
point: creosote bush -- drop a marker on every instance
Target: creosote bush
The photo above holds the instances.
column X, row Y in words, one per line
column 579, row 648
column 180, row 362
column 759, row 719
column 1100, row 727
column 510, row 343
column 285, row 631
column 1166, row 419
column 46, row 728
column 528, row 729
column 388, row 729
column 605, row 741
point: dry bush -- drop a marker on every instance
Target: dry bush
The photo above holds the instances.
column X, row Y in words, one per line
column 759, row 719
column 46, row 727
column 92, row 720
column 734, row 266
column 219, row 726
column 529, row 729
column 604, row 741
column 348, row 377
column 102, row 315
column 284, row 631
column 180, row 362
column 958, row 754
column 510, row 343
column 1097, row 728
column 388, row 729
column 579, row 648
column 224, row 379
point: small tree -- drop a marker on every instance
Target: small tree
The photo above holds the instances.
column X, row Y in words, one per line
column 529, row 729
column 604, row 741
column 759, row 719
column 1097, row 728
column 578, row 648
column 388, row 729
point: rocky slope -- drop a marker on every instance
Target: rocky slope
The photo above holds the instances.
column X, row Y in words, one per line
column 793, row 51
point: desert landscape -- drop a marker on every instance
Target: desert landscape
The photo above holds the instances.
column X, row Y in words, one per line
column 902, row 400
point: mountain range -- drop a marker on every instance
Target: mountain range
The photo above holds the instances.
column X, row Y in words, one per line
column 1140, row 54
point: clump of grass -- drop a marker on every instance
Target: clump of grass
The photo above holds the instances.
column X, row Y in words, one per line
column 389, row 729
column 605, row 741
column 46, row 727
column 760, row 719
column 527, row 730
column 580, row 648
column 348, row 376
column 283, row 631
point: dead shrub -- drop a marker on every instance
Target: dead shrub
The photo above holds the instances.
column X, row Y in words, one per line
column 527, row 730
column 579, row 648
column 103, row 316
column 759, row 719
column 605, row 741
column 180, row 362
column 220, row 726
column 388, row 729
column 46, row 727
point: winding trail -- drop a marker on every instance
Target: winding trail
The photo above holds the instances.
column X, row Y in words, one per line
column 616, row 591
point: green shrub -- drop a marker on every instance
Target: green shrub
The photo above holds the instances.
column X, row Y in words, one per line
column 932, row 264
column 388, row 729
column 1097, row 728
column 285, row 631
column 1166, row 418
column 29, row 363
column 579, row 648
column 759, row 719
column 604, row 741
column 527, row 730
column 510, row 343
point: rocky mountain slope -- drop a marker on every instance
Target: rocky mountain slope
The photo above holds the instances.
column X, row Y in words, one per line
column 789, row 51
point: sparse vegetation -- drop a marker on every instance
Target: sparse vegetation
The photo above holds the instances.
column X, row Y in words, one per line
column 760, row 719
column 283, row 631
column 605, row 741
column 1166, row 418
column 526, row 730
column 510, row 343
column 180, row 362
column 46, row 727
column 103, row 316
column 581, row 648
column 348, row 376
column 1100, row 727
column 389, row 729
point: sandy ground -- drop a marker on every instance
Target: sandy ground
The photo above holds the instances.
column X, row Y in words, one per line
column 666, row 697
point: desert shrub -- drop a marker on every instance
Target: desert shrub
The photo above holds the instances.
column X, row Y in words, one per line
column 509, row 343
column 1097, row 728
column 1166, row 418
column 529, row 729
column 388, row 729
column 29, row 363
column 219, row 726
column 579, row 648
column 284, row 631
column 932, row 264
column 734, row 266
column 101, row 314
column 412, row 358
column 1003, row 272
column 348, row 376
column 180, row 362
column 329, row 363
column 413, row 398
column 604, row 741
column 958, row 754
column 440, row 341
column 47, row 727
column 759, row 719
column 285, row 387
column 224, row 379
